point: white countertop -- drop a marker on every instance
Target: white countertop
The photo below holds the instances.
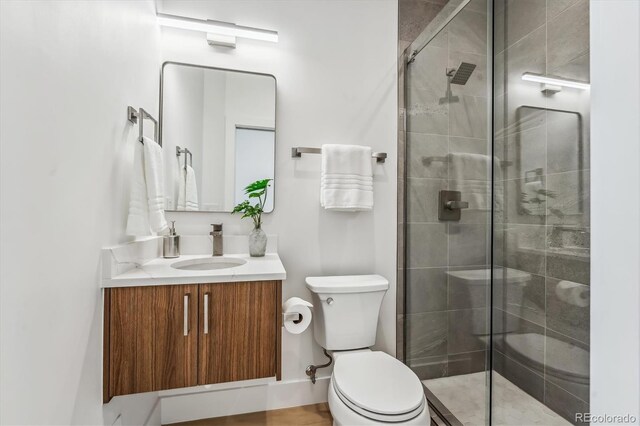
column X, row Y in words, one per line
column 159, row 272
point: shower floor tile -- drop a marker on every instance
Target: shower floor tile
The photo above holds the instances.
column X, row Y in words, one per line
column 465, row 396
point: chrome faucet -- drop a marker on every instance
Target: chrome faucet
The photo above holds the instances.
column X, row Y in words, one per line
column 216, row 234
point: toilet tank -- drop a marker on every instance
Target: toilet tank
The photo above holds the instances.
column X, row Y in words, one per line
column 346, row 310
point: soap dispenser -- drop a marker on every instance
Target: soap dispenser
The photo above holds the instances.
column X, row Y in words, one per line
column 171, row 243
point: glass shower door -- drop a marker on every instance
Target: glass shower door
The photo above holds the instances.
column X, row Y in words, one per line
column 448, row 206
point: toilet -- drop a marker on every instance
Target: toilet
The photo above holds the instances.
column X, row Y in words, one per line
column 367, row 387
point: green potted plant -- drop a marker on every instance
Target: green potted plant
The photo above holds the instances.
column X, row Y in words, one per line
column 257, row 237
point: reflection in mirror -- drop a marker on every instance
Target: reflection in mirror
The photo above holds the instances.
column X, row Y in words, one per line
column 218, row 134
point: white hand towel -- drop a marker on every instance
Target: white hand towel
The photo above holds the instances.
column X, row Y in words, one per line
column 154, row 178
column 188, row 190
column 346, row 183
column 138, row 219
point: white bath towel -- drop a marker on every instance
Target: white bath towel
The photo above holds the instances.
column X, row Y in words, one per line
column 138, row 218
column 346, row 182
column 188, row 190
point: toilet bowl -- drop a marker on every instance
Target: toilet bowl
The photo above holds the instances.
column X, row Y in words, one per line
column 373, row 388
column 367, row 387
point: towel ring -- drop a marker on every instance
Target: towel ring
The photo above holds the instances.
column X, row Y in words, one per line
column 133, row 115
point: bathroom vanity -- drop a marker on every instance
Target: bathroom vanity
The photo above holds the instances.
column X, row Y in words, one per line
column 166, row 327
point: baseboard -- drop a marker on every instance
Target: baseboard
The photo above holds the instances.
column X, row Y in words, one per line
column 240, row 400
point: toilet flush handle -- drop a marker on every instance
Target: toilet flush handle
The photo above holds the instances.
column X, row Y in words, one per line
column 329, row 300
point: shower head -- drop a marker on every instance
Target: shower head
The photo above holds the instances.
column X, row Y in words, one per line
column 461, row 74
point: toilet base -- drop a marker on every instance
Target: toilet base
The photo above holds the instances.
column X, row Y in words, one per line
column 345, row 416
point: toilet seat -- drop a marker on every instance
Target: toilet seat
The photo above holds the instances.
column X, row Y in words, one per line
column 378, row 386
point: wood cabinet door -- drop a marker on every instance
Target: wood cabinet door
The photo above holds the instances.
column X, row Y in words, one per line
column 151, row 338
column 238, row 331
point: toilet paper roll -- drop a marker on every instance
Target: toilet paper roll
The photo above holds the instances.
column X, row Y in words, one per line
column 300, row 306
column 573, row 293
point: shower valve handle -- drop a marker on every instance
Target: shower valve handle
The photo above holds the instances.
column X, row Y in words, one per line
column 452, row 205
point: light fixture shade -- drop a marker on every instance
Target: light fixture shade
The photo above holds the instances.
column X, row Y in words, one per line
column 216, row 27
column 556, row 81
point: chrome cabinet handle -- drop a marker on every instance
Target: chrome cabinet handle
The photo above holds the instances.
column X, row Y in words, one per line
column 185, row 318
column 206, row 313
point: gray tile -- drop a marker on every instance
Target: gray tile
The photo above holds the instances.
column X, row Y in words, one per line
column 426, row 80
column 568, row 308
column 414, row 16
column 568, row 35
column 569, row 204
column 426, row 245
column 468, row 117
column 554, row 7
column 468, row 244
column 422, row 199
column 426, row 335
column 431, row 367
column 426, row 290
column 563, row 403
column 467, row 330
column 422, row 147
column 468, row 288
column 567, row 364
column 524, row 247
column 517, row 19
column 566, row 149
column 467, row 363
column 468, row 32
column 523, row 299
column 477, row 83
column 521, row 376
column 569, row 264
column 424, row 112
column 462, row 145
column 526, row 152
column 576, row 69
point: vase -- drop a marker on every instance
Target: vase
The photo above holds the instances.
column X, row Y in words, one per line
column 257, row 242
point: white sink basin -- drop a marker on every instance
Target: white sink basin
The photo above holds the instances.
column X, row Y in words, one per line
column 207, row 264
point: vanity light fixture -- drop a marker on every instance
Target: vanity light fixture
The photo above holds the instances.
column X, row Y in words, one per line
column 558, row 82
column 218, row 33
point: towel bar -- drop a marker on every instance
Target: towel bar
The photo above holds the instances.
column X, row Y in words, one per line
column 133, row 115
column 297, row 152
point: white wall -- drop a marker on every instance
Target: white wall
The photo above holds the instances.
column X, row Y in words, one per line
column 615, row 208
column 335, row 66
column 68, row 70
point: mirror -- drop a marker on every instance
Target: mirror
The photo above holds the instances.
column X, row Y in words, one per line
column 218, row 135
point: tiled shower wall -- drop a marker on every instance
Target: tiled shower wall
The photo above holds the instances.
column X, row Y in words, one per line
column 541, row 236
column 445, row 316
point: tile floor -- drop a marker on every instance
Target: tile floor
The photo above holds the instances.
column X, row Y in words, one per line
column 465, row 397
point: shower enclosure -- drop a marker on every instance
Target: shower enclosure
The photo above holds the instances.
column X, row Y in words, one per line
column 494, row 241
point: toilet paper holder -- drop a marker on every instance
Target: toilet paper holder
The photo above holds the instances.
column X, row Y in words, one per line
column 292, row 316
